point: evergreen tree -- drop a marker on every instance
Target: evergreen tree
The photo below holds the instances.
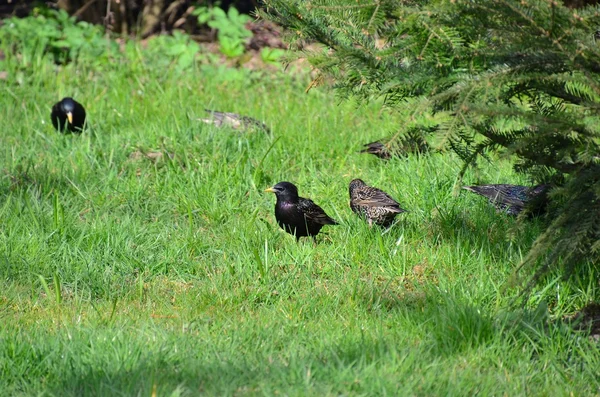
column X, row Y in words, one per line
column 521, row 77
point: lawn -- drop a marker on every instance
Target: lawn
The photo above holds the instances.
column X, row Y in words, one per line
column 128, row 274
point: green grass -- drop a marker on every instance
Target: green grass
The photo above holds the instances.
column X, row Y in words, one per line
column 121, row 275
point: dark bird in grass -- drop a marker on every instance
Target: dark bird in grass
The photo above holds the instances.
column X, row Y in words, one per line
column 378, row 149
column 375, row 205
column 68, row 115
column 513, row 199
column 234, row 120
column 411, row 141
column 297, row 215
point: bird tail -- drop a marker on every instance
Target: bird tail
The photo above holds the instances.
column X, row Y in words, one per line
column 474, row 189
column 492, row 192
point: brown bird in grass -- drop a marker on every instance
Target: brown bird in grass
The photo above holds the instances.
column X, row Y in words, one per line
column 68, row 115
column 297, row 215
column 375, row 205
column 234, row 120
column 513, row 199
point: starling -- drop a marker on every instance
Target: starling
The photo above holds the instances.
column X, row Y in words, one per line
column 513, row 199
column 378, row 149
column 234, row 120
column 297, row 215
column 68, row 116
column 411, row 141
column 374, row 204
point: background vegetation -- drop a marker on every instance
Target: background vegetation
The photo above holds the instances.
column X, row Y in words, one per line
column 143, row 255
column 130, row 17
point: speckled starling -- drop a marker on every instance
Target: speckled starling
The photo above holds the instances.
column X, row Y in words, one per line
column 513, row 199
column 411, row 141
column 375, row 205
column 234, row 120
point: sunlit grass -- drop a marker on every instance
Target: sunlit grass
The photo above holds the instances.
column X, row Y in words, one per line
column 121, row 274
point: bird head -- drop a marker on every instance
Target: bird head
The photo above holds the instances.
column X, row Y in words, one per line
column 356, row 184
column 67, row 105
column 284, row 189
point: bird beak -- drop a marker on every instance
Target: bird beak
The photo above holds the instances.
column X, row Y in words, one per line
column 270, row 190
column 70, row 117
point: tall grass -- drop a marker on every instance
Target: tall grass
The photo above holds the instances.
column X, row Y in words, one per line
column 124, row 275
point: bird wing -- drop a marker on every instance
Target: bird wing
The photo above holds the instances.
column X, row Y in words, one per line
column 378, row 149
column 219, row 118
column 236, row 120
column 249, row 122
column 314, row 213
column 373, row 197
column 511, row 195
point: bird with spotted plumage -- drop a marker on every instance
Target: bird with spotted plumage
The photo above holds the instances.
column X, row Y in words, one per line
column 513, row 199
column 399, row 145
column 378, row 149
column 373, row 204
column 68, row 116
column 234, row 120
column 297, row 215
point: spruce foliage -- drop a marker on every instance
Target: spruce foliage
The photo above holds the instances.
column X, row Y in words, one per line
column 518, row 77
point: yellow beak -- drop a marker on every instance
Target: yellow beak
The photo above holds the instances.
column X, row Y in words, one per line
column 270, row 190
column 70, row 117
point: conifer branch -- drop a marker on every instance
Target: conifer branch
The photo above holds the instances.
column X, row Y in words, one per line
column 531, row 64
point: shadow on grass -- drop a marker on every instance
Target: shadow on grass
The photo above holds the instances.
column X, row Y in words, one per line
column 264, row 359
column 449, row 325
column 474, row 231
column 37, row 181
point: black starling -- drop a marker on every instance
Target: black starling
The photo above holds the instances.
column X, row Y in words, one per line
column 374, row 204
column 513, row 199
column 68, row 115
column 297, row 215
column 234, row 120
